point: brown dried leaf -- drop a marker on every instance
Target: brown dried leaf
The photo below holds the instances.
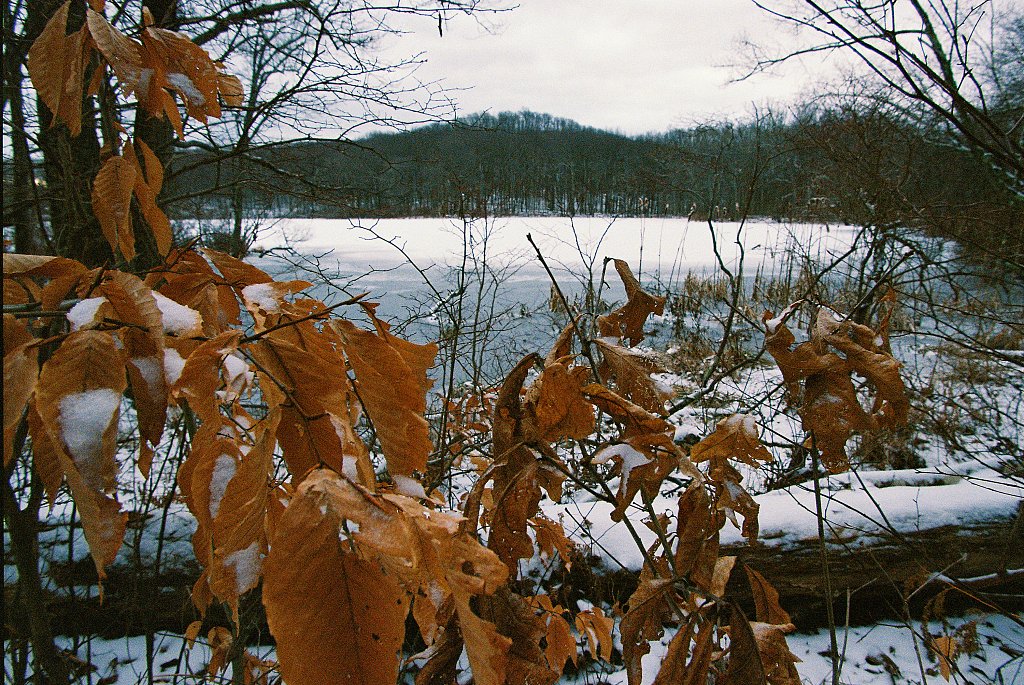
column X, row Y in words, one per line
column 231, row 89
column 312, row 390
column 56, row 65
column 644, row 621
column 778, row 663
column 354, row 628
column 111, row 203
column 745, row 667
column 133, row 303
column 697, row 530
column 732, row 498
column 237, row 273
column 518, row 473
column 556, row 401
column 146, row 193
column 44, row 456
column 21, row 370
column 78, row 397
column 631, row 370
column 39, row 265
column 120, row 52
column 627, row 322
column 766, row 601
column 182, row 66
column 391, row 378
column 551, row 539
column 239, row 531
column 688, row 658
column 598, row 629
column 735, row 437
column 830, row 409
column 636, row 419
column 514, row 619
column 944, row 648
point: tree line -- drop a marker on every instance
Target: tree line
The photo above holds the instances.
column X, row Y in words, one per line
column 840, row 161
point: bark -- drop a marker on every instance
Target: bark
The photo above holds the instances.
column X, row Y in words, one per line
column 19, row 209
column 22, row 527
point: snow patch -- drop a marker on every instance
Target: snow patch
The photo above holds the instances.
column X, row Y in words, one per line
column 178, row 319
column 405, row 485
column 630, row 456
column 262, row 295
column 174, row 364
column 247, row 564
column 150, row 369
column 223, row 471
column 84, row 417
column 184, row 84
column 348, row 468
column 84, row 313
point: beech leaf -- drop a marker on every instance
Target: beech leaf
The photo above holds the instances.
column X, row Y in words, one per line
column 56, row 65
column 111, row 203
column 335, row 616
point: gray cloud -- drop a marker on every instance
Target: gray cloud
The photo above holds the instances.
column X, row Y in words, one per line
column 637, row 66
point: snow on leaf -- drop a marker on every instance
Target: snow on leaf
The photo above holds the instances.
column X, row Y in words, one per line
column 85, row 420
column 178, row 319
column 86, row 313
column 735, row 437
column 223, row 471
column 174, row 364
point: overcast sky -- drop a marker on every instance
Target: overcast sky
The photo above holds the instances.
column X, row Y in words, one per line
column 630, row 65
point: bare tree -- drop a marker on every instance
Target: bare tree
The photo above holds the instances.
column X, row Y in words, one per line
column 310, row 68
column 930, row 57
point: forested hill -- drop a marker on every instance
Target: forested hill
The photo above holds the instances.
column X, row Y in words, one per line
column 846, row 165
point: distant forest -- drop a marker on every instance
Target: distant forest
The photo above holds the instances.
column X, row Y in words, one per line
column 839, row 164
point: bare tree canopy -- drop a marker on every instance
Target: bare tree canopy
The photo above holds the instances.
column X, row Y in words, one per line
column 936, row 60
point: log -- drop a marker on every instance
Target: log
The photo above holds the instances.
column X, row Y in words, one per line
column 871, row 580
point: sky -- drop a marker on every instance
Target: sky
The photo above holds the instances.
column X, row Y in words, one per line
column 634, row 66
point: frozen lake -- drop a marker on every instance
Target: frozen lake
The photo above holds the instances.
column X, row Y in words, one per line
column 437, row 277
column 659, row 250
